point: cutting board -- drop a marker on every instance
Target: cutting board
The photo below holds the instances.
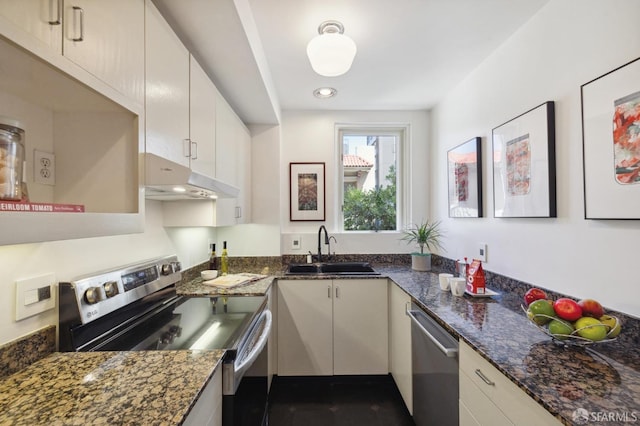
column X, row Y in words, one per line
column 233, row 280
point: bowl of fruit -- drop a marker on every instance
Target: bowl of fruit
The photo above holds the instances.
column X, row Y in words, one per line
column 570, row 322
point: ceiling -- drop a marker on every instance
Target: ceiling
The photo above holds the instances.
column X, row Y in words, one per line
column 410, row 52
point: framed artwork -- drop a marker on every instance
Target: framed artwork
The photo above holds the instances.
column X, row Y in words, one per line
column 307, row 192
column 524, row 165
column 464, row 166
column 611, row 144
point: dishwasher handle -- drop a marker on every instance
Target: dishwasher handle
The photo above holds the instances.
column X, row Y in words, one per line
column 450, row 352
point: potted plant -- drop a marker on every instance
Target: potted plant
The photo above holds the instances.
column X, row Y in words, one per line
column 425, row 235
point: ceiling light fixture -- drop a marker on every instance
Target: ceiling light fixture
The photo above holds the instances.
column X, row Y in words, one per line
column 331, row 52
column 325, row 92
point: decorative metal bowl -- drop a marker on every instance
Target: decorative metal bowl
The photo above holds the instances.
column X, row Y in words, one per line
column 573, row 339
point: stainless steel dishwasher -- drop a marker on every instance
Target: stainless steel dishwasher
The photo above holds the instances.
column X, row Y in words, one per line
column 435, row 371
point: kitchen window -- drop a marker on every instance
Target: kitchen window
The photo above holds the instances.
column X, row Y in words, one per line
column 372, row 175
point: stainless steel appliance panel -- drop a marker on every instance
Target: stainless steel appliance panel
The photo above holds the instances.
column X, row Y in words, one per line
column 434, row 371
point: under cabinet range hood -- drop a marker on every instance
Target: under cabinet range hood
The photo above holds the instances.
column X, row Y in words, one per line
column 166, row 180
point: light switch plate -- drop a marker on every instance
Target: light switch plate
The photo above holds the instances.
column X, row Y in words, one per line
column 482, row 251
column 30, row 301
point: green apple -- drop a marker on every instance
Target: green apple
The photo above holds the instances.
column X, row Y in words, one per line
column 613, row 325
column 541, row 311
column 560, row 329
column 590, row 328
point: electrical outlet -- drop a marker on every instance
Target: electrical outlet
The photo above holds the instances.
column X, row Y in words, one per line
column 482, row 252
column 44, row 167
column 296, row 242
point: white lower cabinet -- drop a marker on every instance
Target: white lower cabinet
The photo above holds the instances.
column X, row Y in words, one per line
column 400, row 343
column 488, row 397
column 332, row 327
column 207, row 410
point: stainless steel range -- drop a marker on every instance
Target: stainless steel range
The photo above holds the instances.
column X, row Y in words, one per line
column 136, row 308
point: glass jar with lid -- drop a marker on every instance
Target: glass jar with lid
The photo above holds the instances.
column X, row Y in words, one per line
column 11, row 159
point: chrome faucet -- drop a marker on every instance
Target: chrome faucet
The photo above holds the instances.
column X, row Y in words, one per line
column 326, row 241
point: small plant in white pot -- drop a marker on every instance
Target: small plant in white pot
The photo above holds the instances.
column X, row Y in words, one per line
column 425, row 235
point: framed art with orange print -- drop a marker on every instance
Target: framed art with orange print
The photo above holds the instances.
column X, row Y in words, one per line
column 464, row 166
column 524, row 165
column 611, row 144
column 306, row 192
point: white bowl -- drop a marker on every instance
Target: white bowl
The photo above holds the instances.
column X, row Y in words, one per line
column 209, row 274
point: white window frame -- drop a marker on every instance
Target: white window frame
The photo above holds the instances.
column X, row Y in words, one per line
column 403, row 170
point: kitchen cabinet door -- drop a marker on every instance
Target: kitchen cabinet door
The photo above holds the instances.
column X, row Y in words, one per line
column 207, row 410
column 243, row 161
column 106, row 38
column 490, row 395
column 166, row 90
column 305, row 331
column 202, row 121
column 41, row 19
column 233, row 164
column 360, row 323
column 400, row 343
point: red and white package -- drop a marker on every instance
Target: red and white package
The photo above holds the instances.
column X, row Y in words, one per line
column 475, row 278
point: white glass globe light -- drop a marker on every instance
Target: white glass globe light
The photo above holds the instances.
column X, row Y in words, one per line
column 331, row 53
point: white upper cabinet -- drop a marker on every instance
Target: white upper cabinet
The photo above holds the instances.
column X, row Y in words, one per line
column 106, row 38
column 41, row 19
column 233, row 164
column 167, row 90
column 202, row 121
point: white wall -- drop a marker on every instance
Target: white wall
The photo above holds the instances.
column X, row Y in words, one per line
column 69, row 259
column 568, row 43
column 310, row 136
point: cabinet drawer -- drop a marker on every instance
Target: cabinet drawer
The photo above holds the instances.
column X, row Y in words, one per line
column 465, row 416
column 482, row 410
column 519, row 407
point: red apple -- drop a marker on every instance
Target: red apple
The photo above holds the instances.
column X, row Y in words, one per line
column 567, row 309
column 591, row 308
column 534, row 294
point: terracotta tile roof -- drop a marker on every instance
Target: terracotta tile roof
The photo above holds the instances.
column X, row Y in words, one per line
column 349, row 160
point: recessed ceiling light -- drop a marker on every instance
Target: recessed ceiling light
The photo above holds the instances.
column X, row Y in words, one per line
column 325, row 92
column 179, row 189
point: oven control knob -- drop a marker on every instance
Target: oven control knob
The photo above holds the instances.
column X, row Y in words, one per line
column 92, row 295
column 110, row 288
column 167, row 269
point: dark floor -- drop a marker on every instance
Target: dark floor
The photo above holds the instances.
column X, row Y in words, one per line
column 337, row 401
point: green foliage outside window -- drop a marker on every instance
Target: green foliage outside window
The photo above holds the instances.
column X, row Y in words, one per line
column 371, row 210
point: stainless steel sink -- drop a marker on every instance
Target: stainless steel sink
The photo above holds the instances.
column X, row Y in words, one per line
column 331, row 268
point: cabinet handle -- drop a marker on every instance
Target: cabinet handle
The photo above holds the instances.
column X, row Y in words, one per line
column 194, row 157
column 329, row 291
column 484, row 378
column 58, row 10
column 238, row 212
column 186, row 147
column 337, row 292
column 78, row 9
column 407, row 308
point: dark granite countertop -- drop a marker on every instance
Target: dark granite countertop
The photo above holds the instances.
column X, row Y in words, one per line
column 195, row 287
column 604, row 379
column 107, row 388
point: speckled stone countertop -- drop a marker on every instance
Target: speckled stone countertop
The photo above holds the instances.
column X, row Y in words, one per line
column 195, row 287
column 110, row 388
column 604, row 379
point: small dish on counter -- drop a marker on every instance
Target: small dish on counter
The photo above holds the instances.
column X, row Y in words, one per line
column 209, row 274
column 487, row 293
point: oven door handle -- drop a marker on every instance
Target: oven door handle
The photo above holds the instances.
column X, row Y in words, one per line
column 262, row 341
